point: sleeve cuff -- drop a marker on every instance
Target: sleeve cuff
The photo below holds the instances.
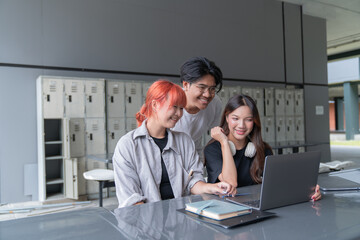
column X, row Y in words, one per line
column 134, row 198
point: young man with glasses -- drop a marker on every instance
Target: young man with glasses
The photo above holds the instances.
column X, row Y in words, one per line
column 201, row 80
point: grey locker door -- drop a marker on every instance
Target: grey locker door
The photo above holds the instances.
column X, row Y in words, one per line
column 133, row 95
column 77, row 137
column 95, row 136
column 115, row 99
column 53, row 101
column 116, row 129
column 71, row 178
column 74, row 98
column 95, row 98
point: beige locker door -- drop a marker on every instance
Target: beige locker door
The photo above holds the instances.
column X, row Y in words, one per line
column 71, row 178
column 74, row 98
column 52, row 97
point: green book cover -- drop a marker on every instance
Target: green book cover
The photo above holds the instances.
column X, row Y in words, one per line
column 217, row 209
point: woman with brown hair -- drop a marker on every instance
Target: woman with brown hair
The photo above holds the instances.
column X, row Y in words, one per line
column 152, row 162
column 237, row 152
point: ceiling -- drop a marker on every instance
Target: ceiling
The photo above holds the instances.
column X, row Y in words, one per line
column 342, row 22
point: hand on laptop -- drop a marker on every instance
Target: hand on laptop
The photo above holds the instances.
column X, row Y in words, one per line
column 317, row 194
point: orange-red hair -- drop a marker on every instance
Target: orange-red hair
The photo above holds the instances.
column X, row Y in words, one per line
column 161, row 91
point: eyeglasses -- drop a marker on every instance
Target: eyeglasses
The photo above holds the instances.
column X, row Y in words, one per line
column 203, row 88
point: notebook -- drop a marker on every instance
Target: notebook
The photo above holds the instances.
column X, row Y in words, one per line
column 287, row 179
column 344, row 180
column 216, row 209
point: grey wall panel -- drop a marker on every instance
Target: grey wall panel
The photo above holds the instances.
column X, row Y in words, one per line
column 18, row 130
column 241, row 36
column 315, row 57
column 293, row 43
column 20, row 30
column 317, row 126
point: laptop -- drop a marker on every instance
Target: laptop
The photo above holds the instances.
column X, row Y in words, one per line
column 287, row 179
column 344, row 180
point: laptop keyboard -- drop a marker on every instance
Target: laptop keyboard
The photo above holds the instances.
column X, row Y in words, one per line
column 254, row 203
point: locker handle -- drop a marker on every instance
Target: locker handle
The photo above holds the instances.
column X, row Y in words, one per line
column 48, row 97
column 112, row 135
column 91, row 137
column 112, row 99
column 70, row 98
column 73, row 137
column 129, row 99
column 90, row 99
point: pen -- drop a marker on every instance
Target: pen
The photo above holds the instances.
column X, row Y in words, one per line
column 238, row 194
column 190, row 174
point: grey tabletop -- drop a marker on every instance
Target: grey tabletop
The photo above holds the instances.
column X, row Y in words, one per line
column 336, row 216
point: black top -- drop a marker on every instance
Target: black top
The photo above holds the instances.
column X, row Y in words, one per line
column 166, row 191
column 213, row 158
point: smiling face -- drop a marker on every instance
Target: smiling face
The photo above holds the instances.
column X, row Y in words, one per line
column 166, row 115
column 241, row 123
column 200, row 93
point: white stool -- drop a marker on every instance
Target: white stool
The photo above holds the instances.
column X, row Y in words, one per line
column 105, row 177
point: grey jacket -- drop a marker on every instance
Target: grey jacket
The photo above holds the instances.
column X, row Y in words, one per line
column 137, row 166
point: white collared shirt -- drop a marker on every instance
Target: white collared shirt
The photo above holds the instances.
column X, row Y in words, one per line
column 137, row 166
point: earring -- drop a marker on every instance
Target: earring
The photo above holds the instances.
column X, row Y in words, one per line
column 250, row 150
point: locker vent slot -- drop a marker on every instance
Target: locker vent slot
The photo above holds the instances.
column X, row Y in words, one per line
column 52, row 87
column 95, row 127
column 74, row 88
column 115, row 90
column 133, row 91
column 77, row 128
column 93, row 89
column 116, row 126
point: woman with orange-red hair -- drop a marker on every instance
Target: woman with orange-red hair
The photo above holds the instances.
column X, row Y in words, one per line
column 152, row 162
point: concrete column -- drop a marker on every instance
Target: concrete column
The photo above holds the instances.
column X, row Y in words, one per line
column 339, row 113
column 351, row 110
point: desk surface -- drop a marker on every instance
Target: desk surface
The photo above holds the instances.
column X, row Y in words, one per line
column 336, row 216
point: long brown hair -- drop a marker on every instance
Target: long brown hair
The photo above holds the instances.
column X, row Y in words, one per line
column 235, row 102
column 161, row 90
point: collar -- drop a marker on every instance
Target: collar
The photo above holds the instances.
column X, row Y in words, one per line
column 143, row 132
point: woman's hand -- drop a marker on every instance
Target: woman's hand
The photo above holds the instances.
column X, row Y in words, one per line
column 217, row 133
column 222, row 189
column 317, row 194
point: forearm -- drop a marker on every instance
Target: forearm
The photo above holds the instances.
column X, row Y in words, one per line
column 228, row 172
column 200, row 187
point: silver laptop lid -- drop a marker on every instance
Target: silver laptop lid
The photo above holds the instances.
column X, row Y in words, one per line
column 289, row 179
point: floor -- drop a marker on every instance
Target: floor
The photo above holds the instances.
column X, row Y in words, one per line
column 29, row 209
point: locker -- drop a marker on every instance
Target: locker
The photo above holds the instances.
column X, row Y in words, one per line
column 116, row 129
column 268, row 129
column 299, row 129
column 133, row 94
column 71, row 178
column 290, row 128
column 269, row 102
column 206, row 137
column 81, row 167
column 289, row 102
column 258, row 96
column 247, row 91
column 95, row 136
column 145, row 88
column 74, row 98
column 95, row 98
column 76, row 137
column 92, row 187
column 52, row 97
column 280, row 129
column 299, row 102
column 234, row 90
column 224, row 95
column 115, row 99
column 279, row 102
column 130, row 124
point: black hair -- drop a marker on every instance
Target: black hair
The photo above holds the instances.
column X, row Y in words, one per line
column 197, row 67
